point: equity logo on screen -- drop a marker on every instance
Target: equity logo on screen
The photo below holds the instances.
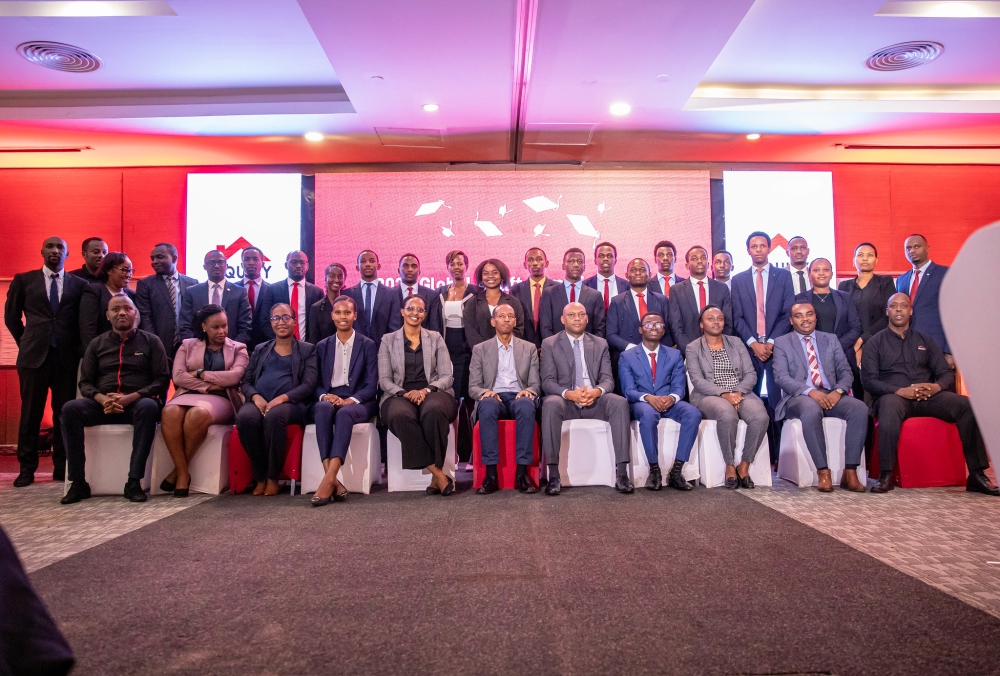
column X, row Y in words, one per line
column 779, row 252
column 235, row 270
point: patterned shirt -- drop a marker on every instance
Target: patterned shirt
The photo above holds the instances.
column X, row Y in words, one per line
column 725, row 372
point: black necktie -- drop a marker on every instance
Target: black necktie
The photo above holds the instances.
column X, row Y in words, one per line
column 802, row 281
column 54, row 302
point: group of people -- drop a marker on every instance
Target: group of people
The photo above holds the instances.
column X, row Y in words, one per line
column 760, row 346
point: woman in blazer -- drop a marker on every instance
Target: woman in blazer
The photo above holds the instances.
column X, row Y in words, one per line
column 207, row 373
column 490, row 276
column 418, row 406
column 115, row 274
column 452, row 301
column 722, row 382
column 277, row 385
column 319, row 325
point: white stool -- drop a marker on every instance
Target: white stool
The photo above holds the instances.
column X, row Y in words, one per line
column 669, row 433
column 586, row 454
column 796, row 465
column 209, row 467
column 362, row 467
column 712, row 465
column 413, row 479
column 108, row 450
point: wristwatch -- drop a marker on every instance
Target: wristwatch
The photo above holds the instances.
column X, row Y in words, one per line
column 840, row 391
column 199, row 372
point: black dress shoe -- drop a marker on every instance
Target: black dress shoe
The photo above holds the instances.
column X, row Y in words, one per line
column 450, row 488
column 655, row 480
column 523, row 484
column 553, row 487
column 24, row 479
column 432, row 490
column 732, row 482
column 134, row 492
column 317, row 501
column 490, row 485
column 78, row 490
column 623, row 484
column 167, row 487
column 979, row 483
column 747, row 482
column 676, row 480
column 885, row 483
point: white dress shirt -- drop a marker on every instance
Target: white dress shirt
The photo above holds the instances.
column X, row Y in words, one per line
column 819, row 364
column 658, row 366
column 795, row 279
column 697, row 292
column 506, row 380
column 638, row 311
column 913, row 277
column 587, row 382
column 613, row 289
column 212, row 286
column 406, row 288
column 765, row 274
column 342, row 364
column 670, row 281
column 257, row 285
column 60, row 279
column 302, row 311
column 174, row 280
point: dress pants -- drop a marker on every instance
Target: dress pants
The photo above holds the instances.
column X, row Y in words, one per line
column 728, row 417
column 892, row 409
column 811, row 414
column 489, row 411
column 609, row 407
column 649, row 420
column 78, row 414
column 263, row 436
column 422, row 430
column 60, row 377
column 765, row 374
column 334, row 426
column 461, row 355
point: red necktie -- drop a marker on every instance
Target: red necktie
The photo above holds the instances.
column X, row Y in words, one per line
column 295, row 308
column 652, row 365
column 642, row 305
column 409, row 292
column 916, row 283
column 702, row 298
column 817, row 380
column 572, row 293
column 536, row 301
column 252, row 297
column 666, row 287
column 607, row 293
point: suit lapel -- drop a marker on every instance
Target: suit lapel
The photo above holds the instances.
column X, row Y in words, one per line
column 491, row 365
column 839, row 304
column 593, row 369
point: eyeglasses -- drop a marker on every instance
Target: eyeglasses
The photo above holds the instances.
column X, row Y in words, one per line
column 281, row 318
column 216, row 263
column 124, row 271
column 653, row 325
column 415, row 310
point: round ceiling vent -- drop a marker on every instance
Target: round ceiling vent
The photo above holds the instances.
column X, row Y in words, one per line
column 904, row 55
column 59, row 56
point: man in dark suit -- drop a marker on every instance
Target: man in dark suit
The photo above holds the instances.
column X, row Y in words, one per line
column 835, row 311
column 378, row 307
column 529, row 293
column 923, row 285
column 624, row 328
column 666, row 255
column 253, row 282
column 94, row 251
column 158, row 298
column 409, row 273
column 217, row 291
column 722, row 267
column 295, row 292
column 606, row 282
column 41, row 314
column 798, row 264
column 691, row 296
column 572, row 290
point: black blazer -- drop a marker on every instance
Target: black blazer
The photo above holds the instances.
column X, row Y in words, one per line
column 319, row 323
column 275, row 293
column 28, row 295
column 476, row 318
column 156, row 312
column 621, row 283
column 654, row 283
column 234, row 302
column 432, row 319
column 684, row 313
column 623, row 320
column 305, row 371
column 848, row 325
column 256, row 338
column 554, row 299
column 362, row 372
column 94, row 311
column 522, row 291
column 872, row 314
column 385, row 311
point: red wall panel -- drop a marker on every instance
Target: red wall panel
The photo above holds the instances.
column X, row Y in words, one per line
column 153, row 211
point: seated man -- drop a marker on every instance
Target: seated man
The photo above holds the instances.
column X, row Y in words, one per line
column 653, row 380
column 813, row 374
column 122, row 379
column 503, row 380
column 347, row 388
column 906, row 372
column 577, row 382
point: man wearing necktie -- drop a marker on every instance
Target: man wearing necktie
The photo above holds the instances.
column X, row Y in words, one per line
column 666, row 255
column 529, row 293
column 409, row 274
column 692, row 295
column 217, row 290
column 158, row 298
column 923, row 285
column 572, row 290
column 627, row 310
column 378, row 305
column 294, row 291
column 606, row 282
column 798, row 257
column 253, row 282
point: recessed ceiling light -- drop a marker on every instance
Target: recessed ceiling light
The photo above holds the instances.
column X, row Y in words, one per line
column 431, row 107
column 663, row 77
column 753, row 137
column 84, row 8
column 313, row 136
column 620, row 108
column 975, row 9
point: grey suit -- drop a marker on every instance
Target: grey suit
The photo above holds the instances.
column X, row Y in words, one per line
column 158, row 315
column 791, row 372
column 483, row 368
column 558, row 374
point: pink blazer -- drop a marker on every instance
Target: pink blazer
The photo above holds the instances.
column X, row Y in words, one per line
column 191, row 357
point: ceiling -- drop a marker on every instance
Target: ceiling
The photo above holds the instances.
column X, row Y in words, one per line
column 526, row 81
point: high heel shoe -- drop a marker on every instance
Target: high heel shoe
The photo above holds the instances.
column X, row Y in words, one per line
column 167, row 487
column 318, row 501
column 450, row 488
column 182, row 492
column 340, row 497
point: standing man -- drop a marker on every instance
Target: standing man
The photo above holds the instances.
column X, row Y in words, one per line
column 624, row 329
column 606, row 282
column 41, row 313
column 722, row 267
column 158, row 298
column 94, row 251
column 923, row 285
column 835, row 311
column 530, row 291
column 666, row 256
column 577, row 382
column 572, row 290
column 378, row 309
column 295, row 292
column 798, row 256
column 253, row 282
column 692, row 295
column 504, row 382
column 409, row 273
column 217, row 291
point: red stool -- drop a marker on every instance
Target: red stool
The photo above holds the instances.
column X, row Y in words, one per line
column 241, row 472
column 507, row 467
column 929, row 455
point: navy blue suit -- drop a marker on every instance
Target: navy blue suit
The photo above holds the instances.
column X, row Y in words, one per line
column 926, row 312
column 777, row 311
column 555, row 298
column 622, row 327
column 848, row 325
column 278, row 292
column 385, row 311
column 522, row 291
column 637, row 379
column 234, row 302
column 685, row 316
column 256, row 337
column 622, row 285
column 334, row 426
column 654, row 282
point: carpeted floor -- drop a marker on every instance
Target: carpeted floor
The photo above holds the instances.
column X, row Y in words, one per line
column 591, row 582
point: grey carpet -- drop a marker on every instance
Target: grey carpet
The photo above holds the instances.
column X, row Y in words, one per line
column 591, row 582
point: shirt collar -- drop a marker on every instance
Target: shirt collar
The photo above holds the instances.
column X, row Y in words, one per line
column 350, row 341
column 803, row 336
column 648, row 351
column 764, row 270
column 610, row 277
column 507, row 347
column 217, row 285
column 923, row 268
column 49, row 273
column 568, row 283
column 292, row 282
column 174, row 277
column 247, row 280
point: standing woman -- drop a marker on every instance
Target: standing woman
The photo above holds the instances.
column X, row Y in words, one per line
column 490, row 276
column 114, row 276
column 453, row 299
column 277, row 384
column 414, row 373
column 319, row 325
column 207, row 373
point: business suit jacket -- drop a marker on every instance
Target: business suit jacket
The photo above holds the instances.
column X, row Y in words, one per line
column 848, row 324
column 234, row 302
column 190, row 356
column 684, row 314
column 555, row 298
column 392, row 364
column 28, row 296
column 522, row 291
column 319, row 323
column 777, row 305
column 621, row 283
column 385, row 311
column 654, row 283
column 94, row 311
column 702, row 371
column 558, row 366
column 152, row 298
column 278, row 293
column 432, row 318
column 362, row 372
column 305, row 371
column 637, row 376
column 485, row 362
column 442, row 294
column 256, row 337
column 875, row 311
column 791, row 370
column 476, row 317
column 622, row 327
column 926, row 312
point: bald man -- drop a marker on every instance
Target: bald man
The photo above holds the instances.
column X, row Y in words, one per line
column 217, row 291
column 923, row 286
column 295, row 292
